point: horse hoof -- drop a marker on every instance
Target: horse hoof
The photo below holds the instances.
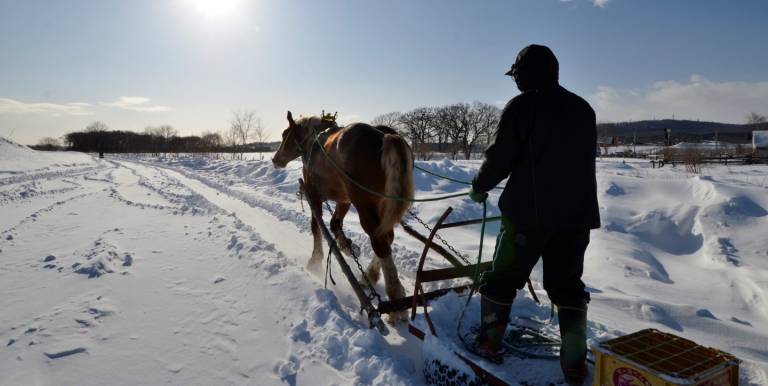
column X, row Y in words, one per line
column 394, row 318
column 315, row 266
column 347, row 247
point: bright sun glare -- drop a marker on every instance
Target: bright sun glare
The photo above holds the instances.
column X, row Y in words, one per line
column 216, row 9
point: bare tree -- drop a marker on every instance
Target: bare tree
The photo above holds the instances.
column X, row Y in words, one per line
column 167, row 132
column 466, row 126
column 417, row 125
column 483, row 120
column 49, row 141
column 454, row 122
column 389, row 119
column 242, row 128
column 260, row 135
column 440, row 132
column 229, row 139
column 163, row 137
column 692, row 158
column 461, row 126
column 212, row 140
column 212, row 143
column 754, row 118
column 97, row 126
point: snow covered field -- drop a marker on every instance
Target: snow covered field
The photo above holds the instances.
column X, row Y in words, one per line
column 191, row 271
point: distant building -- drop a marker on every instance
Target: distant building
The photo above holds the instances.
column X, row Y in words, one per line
column 760, row 143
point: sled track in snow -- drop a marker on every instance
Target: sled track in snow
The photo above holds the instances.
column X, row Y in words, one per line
column 406, row 260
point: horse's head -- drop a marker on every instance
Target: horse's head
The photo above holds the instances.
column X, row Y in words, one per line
column 297, row 138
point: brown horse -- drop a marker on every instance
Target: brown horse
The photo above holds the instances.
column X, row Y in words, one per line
column 375, row 157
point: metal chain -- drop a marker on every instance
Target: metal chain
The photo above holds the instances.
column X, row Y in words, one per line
column 372, row 294
column 442, row 240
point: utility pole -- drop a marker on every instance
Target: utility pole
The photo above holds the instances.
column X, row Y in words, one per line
column 634, row 143
column 717, row 144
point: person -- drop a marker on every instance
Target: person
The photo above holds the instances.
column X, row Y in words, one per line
column 545, row 144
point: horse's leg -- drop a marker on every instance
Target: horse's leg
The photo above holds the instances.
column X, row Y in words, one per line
column 316, row 204
column 373, row 272
column 344, row 243
column 382, row 247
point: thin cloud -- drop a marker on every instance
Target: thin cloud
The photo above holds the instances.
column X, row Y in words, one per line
column 347, row 118
column 600, row 3
column 12, row 106
column 697, row 98
column 135, row 103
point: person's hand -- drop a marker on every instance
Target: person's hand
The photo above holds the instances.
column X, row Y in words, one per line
column 476, row 196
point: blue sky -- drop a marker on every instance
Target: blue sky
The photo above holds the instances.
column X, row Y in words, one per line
column 190, row 63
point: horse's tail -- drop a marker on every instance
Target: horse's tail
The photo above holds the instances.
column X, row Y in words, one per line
column 397, row 162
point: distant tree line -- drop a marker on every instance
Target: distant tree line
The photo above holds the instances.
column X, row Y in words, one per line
column 246, row 134
column 456, row 129
column 48, row 144
column 652, row 131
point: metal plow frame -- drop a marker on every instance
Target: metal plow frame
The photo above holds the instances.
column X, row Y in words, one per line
column 420, row 297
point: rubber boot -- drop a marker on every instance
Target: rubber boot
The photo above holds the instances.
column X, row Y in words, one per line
column 494, row 317
column 573, row 349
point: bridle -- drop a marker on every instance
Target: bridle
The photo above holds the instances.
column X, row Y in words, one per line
column 306, row 153
column 300, row 144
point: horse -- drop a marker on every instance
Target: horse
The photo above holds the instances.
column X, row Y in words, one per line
column 379, row 160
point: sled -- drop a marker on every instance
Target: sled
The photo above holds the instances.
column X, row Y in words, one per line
column 481, row 372
column 423, row 326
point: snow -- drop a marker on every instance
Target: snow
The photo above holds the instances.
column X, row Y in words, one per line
column 705, row 145
column 192, row 271
column 15, row 159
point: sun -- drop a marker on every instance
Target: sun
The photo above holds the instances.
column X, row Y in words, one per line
column 216, row 9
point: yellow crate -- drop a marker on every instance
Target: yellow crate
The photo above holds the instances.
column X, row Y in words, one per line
column 654, row 358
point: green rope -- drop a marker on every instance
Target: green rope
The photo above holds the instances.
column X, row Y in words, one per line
column 476, row 276
column 446, row 177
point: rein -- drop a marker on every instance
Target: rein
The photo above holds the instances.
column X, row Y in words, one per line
column 365, row 188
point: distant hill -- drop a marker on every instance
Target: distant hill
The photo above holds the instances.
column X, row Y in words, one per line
column 682, row 130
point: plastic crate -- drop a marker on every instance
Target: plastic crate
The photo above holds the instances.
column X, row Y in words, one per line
column 654, row 358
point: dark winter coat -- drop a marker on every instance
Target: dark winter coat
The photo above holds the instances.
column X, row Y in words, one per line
column 546, row 144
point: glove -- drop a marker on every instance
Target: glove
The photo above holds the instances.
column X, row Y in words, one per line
column 476, row 196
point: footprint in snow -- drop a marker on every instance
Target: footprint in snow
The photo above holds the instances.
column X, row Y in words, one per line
column 287, row 370
column 705, row 313
column 300, row 333
column 739, row 321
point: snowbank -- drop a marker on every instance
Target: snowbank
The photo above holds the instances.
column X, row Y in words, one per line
column 15, row 158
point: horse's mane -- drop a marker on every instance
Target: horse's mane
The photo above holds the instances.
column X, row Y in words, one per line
column 317, row 123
